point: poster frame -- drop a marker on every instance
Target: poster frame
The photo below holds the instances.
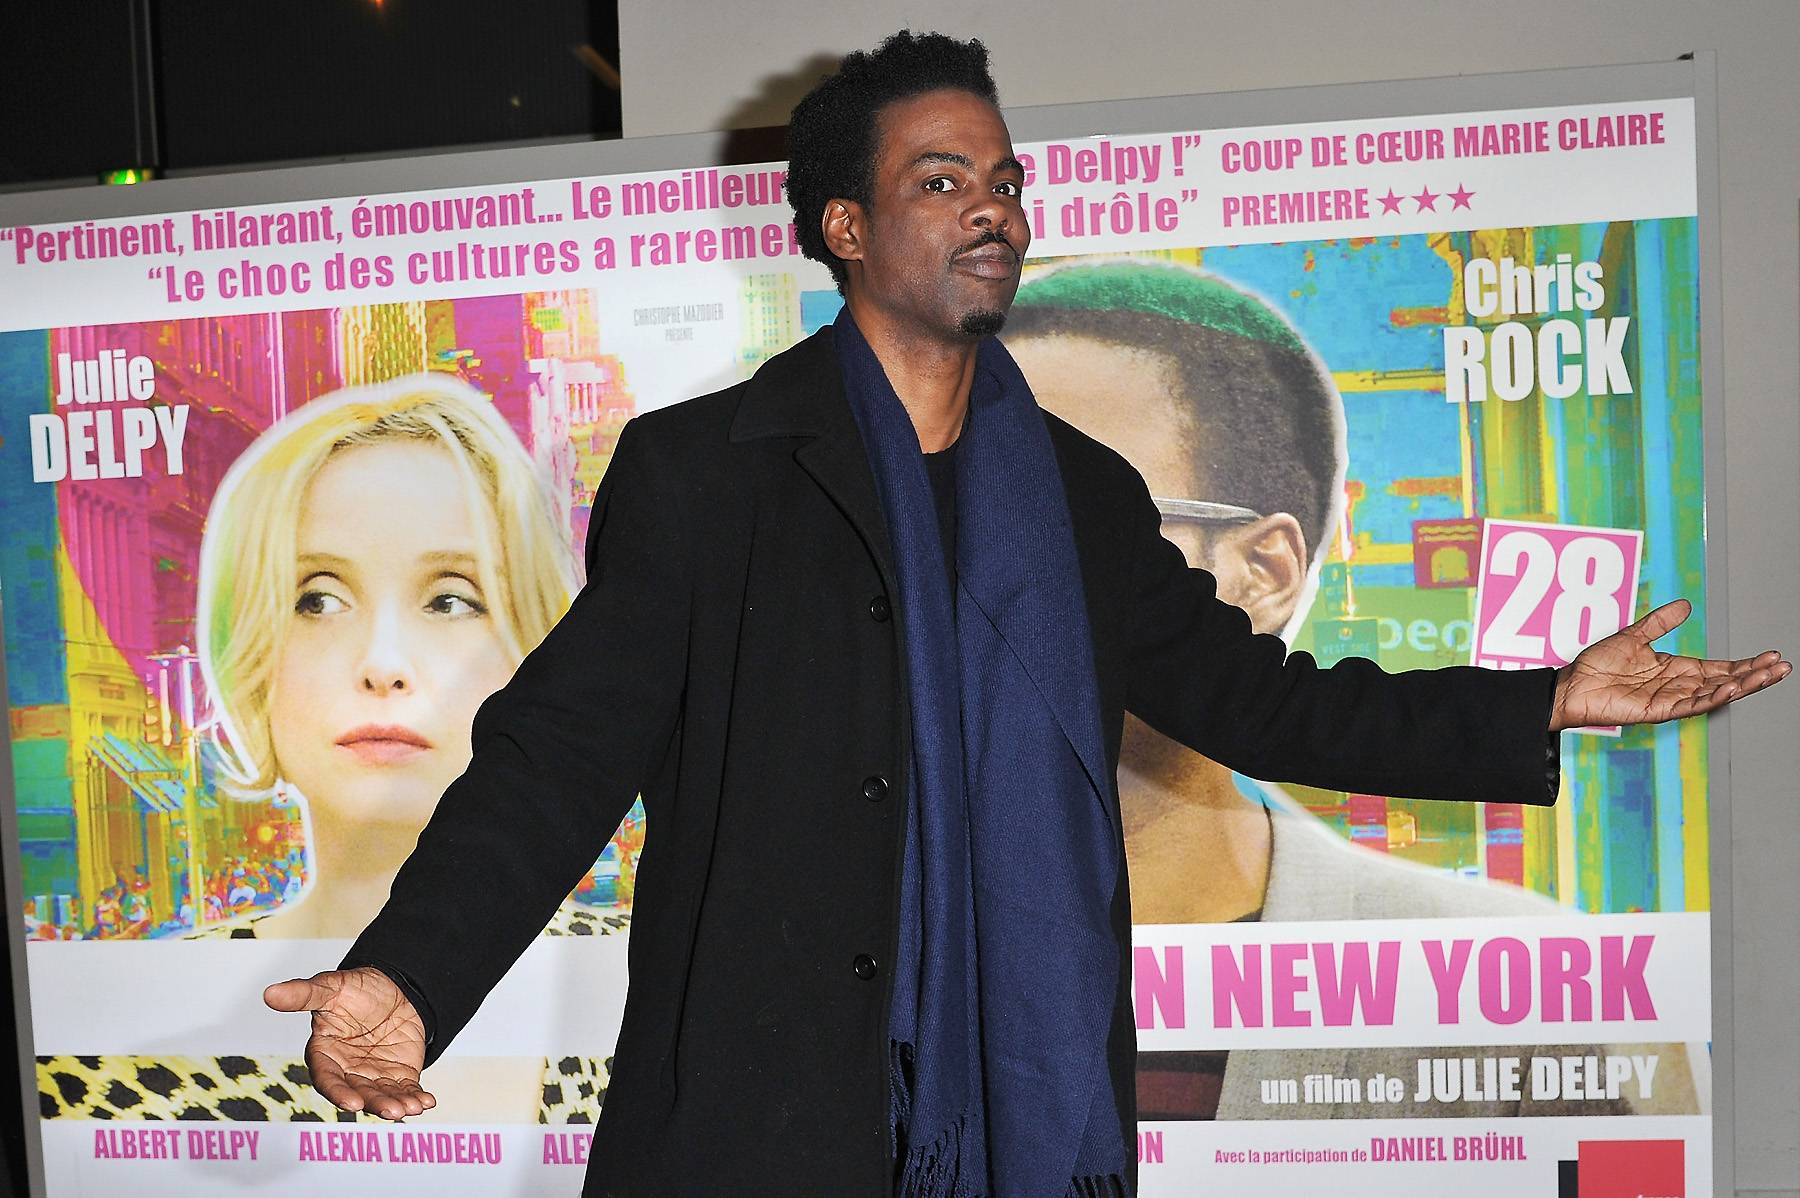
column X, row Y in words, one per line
column 1692, row 76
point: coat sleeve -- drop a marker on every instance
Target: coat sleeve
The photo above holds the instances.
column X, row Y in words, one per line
column 1198, row 675
column 560, row 753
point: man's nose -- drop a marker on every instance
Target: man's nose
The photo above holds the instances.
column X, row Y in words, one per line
column 988, row 213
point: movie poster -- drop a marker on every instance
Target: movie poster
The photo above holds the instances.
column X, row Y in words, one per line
column 289, row 489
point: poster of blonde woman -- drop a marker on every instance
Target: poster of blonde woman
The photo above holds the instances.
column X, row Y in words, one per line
column 374, row 566
column 272, row 658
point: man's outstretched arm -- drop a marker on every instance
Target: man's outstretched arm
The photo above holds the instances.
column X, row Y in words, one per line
column 560, row 753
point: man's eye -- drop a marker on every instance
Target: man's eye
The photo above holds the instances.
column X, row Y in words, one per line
column 1009, row 189
column 940, row 184
column 318, row 603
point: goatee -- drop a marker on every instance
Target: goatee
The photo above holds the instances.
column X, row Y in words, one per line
column 982, row 322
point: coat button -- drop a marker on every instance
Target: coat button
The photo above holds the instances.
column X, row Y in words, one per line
column 875, row 788
column 864, row 966
column 880, row 609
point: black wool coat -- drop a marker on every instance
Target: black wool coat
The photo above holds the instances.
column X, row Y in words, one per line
column 735, row 658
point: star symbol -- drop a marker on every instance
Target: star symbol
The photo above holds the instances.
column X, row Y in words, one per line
column 1460, row 197
column 1389, row 202
column 1426, row 198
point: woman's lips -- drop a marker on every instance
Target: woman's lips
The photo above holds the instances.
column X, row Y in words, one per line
column 383, row 744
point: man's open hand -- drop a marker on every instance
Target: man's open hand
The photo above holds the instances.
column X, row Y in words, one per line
column 367, row 1045
column 1622, row 680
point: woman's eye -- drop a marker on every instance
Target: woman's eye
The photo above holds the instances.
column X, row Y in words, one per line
column 318, row 603
column 448, row 604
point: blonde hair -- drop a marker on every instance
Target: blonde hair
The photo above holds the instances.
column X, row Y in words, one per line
column 249, row 550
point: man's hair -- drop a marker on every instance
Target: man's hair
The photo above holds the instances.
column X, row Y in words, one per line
column 832, row 135
column 1271, row 417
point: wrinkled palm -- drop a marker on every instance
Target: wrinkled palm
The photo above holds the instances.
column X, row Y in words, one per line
column 367, row 1045
column 1622, row 680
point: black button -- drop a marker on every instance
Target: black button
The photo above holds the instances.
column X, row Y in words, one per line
column 864, row 966
column 880, row 609
column 875, row 788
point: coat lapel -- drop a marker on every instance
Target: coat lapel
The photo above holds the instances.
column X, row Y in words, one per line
column 837, row 463
column 799, row 393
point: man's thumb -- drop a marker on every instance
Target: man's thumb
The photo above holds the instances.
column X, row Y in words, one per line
column 1663, row 620
column 297, row 994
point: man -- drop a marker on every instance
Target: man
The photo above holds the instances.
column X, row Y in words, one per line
column 771, row 648
column 1239, row 431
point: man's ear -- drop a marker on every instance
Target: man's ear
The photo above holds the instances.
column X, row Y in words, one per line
column 1266, row 562
column 845, row 226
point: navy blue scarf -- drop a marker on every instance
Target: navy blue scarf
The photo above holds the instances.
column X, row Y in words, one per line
column 1007, row 966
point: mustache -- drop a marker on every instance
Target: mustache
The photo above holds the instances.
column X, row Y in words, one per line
column 991, row 237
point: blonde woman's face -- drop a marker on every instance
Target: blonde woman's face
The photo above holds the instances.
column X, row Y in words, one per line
column 390, row 646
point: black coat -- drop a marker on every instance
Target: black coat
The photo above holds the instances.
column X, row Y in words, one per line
column 733, row 657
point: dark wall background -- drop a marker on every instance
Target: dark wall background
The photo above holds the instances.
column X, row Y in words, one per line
column 188, row 86
column 192, row 85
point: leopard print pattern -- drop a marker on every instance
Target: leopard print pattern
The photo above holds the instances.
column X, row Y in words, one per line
column 258, row 1090
column 579, row 919
column 573, row 1090
column 242, row 1089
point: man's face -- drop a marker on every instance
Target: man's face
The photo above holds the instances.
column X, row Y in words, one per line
column 938, row 247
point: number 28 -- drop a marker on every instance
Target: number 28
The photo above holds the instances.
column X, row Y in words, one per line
column 1586, row 609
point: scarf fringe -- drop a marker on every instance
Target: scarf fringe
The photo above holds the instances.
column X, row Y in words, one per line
column 900, row 1087
column 935, row 1169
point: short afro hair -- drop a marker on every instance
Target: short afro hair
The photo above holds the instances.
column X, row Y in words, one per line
column 832, row 132
column 1272, row 417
